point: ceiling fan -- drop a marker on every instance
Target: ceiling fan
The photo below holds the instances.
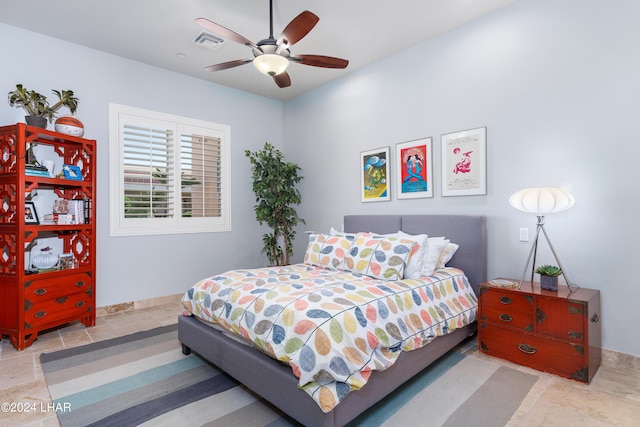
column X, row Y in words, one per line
column 271, row 56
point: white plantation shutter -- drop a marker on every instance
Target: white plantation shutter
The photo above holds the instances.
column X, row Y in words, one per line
column 148, row 172
column 201, row 185
column 168, row 174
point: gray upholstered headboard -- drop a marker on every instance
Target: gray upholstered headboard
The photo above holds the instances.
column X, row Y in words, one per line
column 468, row 231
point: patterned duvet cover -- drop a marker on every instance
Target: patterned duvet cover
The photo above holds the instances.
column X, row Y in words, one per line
column 334, row 328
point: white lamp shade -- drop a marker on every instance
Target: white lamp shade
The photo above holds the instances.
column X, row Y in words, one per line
column 541, row 201
column 271, row 64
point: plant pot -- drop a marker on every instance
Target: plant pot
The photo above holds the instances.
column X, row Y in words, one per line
column 550, row 283
column 37, row 121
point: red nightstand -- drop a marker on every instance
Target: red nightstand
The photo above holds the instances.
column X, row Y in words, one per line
column 556, row 332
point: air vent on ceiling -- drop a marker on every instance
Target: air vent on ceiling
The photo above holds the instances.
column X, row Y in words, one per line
column 208, row 40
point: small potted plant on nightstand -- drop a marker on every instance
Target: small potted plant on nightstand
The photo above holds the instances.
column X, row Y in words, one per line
column 549, row 277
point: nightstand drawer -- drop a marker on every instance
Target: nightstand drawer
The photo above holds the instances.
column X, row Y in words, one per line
column 506, row 316
column 42, row 290
column 56, row 310
column 558, row 357
column 565, row 320
column 505, row 301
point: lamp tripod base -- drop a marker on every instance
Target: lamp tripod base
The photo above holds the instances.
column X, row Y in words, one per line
column 534, row 251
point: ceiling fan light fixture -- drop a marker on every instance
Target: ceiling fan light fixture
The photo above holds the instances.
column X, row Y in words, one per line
column 271, row 64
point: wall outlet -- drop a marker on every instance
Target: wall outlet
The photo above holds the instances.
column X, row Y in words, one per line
column 524, row 234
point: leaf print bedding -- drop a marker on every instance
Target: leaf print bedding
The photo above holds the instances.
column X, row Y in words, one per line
column 333, row 328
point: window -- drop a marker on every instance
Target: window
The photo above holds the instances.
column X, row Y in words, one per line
column 168, row 174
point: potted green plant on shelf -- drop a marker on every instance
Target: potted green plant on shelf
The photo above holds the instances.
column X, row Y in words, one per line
column 37, row 106
column 274, row 184
column 549, row 276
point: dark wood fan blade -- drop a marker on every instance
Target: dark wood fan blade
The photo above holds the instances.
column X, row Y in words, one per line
column 230, row 64
column 320, row 61
column 224, row 32
column 282, row 79
column 298, row 28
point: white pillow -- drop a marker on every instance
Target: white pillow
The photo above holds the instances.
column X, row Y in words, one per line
column 435, row 247
column 413, row 269
column 446, row 255
column 334, row 232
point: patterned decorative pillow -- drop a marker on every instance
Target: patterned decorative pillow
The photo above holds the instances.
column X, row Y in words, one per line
column 327, row 251
column 379, row 257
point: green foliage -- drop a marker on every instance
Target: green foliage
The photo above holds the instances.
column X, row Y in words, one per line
column 274, row 184
column 549, row 270
column 37, row 105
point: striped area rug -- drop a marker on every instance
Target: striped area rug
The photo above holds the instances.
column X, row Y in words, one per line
column 144, row 379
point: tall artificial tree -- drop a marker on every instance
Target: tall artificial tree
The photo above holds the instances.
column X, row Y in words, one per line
column 274, row 184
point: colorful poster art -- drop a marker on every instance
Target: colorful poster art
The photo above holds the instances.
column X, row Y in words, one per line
column 413, row 169
column 374, row 175
column 464, row 163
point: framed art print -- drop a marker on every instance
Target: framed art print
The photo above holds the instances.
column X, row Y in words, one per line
column 464, row 163
column 414, row 178
column 374, row 175
column 30, row 213
column 72, row 172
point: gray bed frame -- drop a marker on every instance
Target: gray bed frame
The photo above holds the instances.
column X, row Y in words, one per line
column 275, row 382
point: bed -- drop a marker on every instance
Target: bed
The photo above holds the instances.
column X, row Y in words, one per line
column 277, row 383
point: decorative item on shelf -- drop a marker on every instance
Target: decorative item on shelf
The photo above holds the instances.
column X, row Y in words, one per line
column 30, row 213
column 38, row 108
column 549, row 276
column 30, row 156
column 69, row 126
column 542, row 201
column 36, row 170
column 72, row 172
column 50, row 165
column 66, row 261
column 60, row 206
column 67, row 212
column 45, row 260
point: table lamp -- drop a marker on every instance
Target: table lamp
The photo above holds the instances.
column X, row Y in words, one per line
column 542, row 201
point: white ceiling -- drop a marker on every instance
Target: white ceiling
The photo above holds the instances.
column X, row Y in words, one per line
column 160, row 32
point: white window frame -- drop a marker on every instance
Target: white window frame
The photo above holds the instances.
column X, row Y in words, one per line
column 121, row 226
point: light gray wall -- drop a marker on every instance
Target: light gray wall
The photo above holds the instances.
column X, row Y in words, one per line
column 134, row 268
column 557, row 85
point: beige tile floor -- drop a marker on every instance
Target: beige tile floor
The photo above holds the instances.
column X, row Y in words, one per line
column 612, row 398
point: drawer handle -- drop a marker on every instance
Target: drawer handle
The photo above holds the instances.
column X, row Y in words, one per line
column 595, row 318
column 505, row 300
column 80, row 283
column 40, row 314
column 80, row 304
column 526, row 348
column 40, row 291
column 505, row 318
